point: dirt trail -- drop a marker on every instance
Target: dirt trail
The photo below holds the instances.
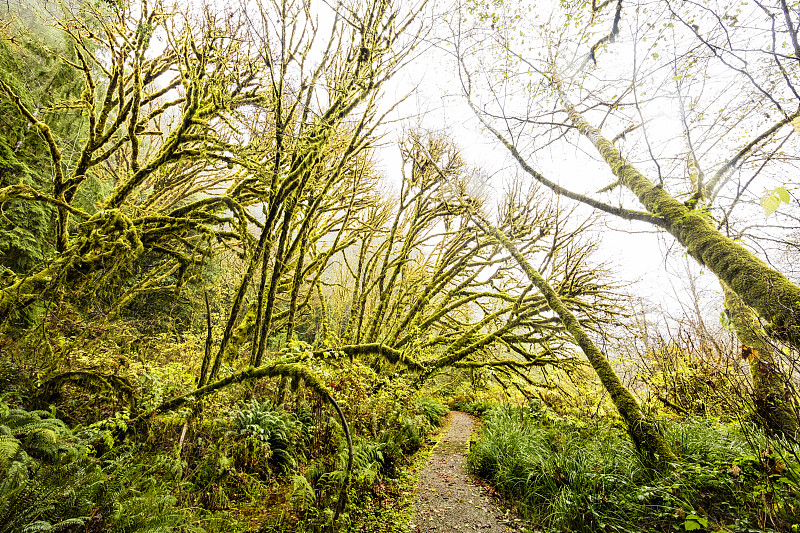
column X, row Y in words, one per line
column 448, row 499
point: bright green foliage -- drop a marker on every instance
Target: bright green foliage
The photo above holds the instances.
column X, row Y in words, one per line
column 432, row 409
column 567, row 475
column 772, row 200
column 276, row 430
column 693, row 380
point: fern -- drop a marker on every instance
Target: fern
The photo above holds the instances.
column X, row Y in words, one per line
column 275, row 428
column 53, row 495
column 302, row 492
column 433, row 410
column 9, row 448
column 48, row 483
column 39, row 525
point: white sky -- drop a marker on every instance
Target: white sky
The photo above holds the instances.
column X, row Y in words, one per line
column 635, row 255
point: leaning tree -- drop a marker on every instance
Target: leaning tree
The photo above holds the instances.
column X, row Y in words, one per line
column 685, row 110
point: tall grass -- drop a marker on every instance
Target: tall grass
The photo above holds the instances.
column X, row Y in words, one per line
column 566, row 475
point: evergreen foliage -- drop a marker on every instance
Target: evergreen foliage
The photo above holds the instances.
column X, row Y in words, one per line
column 49, row 481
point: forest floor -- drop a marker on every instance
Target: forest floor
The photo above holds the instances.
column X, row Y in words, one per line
column 450, row 500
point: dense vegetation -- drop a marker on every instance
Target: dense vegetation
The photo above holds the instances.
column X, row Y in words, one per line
column 570, row 475
column 215, row 315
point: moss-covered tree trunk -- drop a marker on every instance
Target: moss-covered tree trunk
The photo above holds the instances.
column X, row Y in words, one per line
column 766, row 290
column 640, row 428
column 772, row 398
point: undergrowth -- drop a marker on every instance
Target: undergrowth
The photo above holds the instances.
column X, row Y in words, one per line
column 226, row 465
column 567, row 475
column 50, row 481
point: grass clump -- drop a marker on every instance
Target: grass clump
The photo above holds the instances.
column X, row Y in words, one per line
column 568, row 475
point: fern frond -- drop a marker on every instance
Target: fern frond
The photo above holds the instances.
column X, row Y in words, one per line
column 9, row 448
column 69, row 522
column 36, row 527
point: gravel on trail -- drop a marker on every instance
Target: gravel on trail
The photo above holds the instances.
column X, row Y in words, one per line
column 448, row 499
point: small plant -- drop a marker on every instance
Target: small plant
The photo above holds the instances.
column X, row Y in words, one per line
column 50, row 482
column 432, row 409
column 567, row 475
column 275, row 431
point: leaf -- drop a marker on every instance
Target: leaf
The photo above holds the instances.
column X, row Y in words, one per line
column 677, row 78
column 9, row 446
column 772, row 199
column 694, row 522
column 796, row 124
column 770, row 204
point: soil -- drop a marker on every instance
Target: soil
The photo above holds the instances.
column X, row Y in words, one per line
column 448, row 499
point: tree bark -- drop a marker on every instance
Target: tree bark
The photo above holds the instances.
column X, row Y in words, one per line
column 766, row 290
column 772, row 398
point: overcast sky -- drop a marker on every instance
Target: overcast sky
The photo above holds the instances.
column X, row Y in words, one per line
column 633, row 251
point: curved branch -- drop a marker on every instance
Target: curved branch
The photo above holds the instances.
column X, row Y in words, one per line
column 509, row 363
column 394, row 356
column 25, row 192
column 289, row 367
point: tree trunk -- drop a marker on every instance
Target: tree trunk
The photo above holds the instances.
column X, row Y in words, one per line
column 766, row 290
column 772, row 398
column 641, row 429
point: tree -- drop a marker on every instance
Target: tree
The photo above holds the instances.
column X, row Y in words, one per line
column 615, row 65
column 687, row 212
column 427, row 287
column 192, row 119
column 152, row 124
column 321, row 115
column 772, row 391
column 641, row 428
column 28, row 65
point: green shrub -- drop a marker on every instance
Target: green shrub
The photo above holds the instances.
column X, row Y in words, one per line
column 276, row 433
column 473, row 407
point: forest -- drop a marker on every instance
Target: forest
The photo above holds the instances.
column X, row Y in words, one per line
column 252, row 253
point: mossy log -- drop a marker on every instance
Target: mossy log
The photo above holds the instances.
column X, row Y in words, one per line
column 389, row 353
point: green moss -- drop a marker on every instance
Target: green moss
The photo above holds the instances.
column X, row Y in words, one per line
column 641, row 430
column 771, row 396
column 766, row 290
